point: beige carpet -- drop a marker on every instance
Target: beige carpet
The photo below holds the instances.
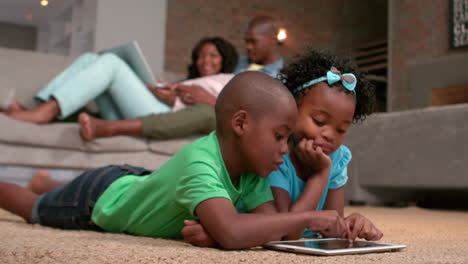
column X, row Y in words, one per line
column 432, row 236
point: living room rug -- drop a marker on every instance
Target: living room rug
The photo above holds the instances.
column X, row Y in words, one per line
column 432, row 236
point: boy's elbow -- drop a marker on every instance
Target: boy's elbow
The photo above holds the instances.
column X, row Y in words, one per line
column 232, row 239
column 230, row 246
column 235, row 239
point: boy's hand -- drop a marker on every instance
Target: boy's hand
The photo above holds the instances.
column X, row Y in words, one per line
column 362, row 227
column 313, row 155
column 330, row 224
column 195, row 234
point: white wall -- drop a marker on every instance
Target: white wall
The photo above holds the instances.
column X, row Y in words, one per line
column 120, row 21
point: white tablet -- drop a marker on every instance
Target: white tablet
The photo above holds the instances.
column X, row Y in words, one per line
column 331, row 246
column 132, row 54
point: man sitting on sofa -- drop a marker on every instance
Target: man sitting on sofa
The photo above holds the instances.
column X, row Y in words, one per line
column 262, row 55
column 262, row 47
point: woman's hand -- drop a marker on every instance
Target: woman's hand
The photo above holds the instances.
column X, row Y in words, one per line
column 362, row 227
column 194, row 94
column 313, row 156
column 166, row 95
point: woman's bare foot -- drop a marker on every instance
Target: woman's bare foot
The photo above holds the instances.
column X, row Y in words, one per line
column 41, row 182
column 42, row 114
column 15, row 106
column 91, row 128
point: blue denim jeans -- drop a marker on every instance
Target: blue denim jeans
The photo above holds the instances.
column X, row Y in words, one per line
column 70, row 206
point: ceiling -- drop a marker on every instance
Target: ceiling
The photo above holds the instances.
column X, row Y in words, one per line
column 29, row 12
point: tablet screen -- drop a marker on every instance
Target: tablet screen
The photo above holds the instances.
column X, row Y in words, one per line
column 332, row 244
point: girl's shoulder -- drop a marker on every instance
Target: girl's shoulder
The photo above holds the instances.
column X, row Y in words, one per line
column 341, row 157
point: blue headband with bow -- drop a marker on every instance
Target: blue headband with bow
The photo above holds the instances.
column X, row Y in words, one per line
column 348, row 80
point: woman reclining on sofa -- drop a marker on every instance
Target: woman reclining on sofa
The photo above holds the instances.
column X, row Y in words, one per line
column 120, row 94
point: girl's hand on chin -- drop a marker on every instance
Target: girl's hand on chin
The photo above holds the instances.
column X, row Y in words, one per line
column 312, row 156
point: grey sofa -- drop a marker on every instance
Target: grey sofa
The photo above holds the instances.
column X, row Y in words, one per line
column 58, row 146
column 410, row 156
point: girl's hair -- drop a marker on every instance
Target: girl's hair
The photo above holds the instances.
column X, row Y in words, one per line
column 315, row 63
column 225, row 48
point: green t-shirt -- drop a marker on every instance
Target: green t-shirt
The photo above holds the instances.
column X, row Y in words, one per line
column 157, row 204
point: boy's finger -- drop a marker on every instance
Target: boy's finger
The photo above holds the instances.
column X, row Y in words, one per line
column 375, row 233
column 356, row 229
column 187, row 231
column 346, row 233
column 193, row 239
column 355, row 232
column 190, row 230
column 190, row 222
column 365, row 231
column 379, row 235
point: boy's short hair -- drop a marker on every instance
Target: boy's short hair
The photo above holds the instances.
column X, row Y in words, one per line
column 255, row 92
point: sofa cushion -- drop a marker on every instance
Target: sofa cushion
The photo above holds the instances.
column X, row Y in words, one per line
column 170, row 146
column 40, row 157
column 63, row 136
